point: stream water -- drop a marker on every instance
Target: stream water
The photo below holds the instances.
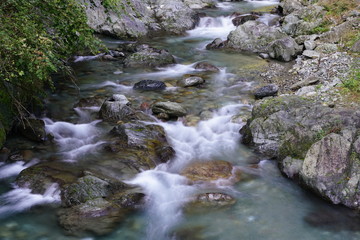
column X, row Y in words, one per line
column 268, row 206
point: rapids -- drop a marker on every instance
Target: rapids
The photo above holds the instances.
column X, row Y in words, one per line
column 268, row 206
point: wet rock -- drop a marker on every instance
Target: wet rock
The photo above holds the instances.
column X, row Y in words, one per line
column 311, row 54
column 140, row 146
column 208, row 171
column 191, row 81
column 216, row 44
column 149, row 57
column 171, row 108
column 205, row 66
column 33, row 129
column 117, row 108
column 284, row 49
column 244, row 18
column 266, row 91
column 253, row 36
column 294, row 128
column 214, row 199
column 149, row 85
column 96, row 101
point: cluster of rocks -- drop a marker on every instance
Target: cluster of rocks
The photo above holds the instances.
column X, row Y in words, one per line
column 294, row 34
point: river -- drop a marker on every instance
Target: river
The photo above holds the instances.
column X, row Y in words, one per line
column 268, row 206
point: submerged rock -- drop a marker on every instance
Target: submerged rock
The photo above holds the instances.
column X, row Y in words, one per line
column 205, row 66
column 208, row 171
column 216, row 44
column 149, row 85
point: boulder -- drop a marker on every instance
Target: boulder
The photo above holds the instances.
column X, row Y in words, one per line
column 266, row 91
column 149, row 85
column 244, row 18
column 208, row 171
column 289, row 6
column 309, row 45
column 216, row 44
column 172, row 109
column 206, row 66
column 199, row 4
column 311, row 54
column 253, row 36
column 190, row 81
column 337, row 33
column 149, row 57
column 315, row 143
column 117, row 108
column 33, row 129
column 284, row 49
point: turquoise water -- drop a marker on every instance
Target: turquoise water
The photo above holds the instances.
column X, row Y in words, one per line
column 268, row 206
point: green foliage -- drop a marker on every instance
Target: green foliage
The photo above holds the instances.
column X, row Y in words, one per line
column 36, row 38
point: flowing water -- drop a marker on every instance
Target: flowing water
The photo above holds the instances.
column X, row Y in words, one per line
column 268, row 206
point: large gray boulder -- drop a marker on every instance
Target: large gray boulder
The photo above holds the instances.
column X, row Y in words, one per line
column 172, row 109
column 284, row 49
column 149, row 57
column 312, row 142
column 253, row 36
column 139, row 18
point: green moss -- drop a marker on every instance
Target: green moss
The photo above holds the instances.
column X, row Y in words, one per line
column 352, row 83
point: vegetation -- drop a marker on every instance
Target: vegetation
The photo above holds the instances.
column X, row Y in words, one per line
column 352, row 83
column 36, row 38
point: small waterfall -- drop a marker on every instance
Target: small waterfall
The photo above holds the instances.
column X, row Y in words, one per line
column 13, row 169
column 212, row 27
column 74, row 140
column 21, row 199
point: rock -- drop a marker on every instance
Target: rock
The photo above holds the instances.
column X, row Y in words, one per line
column 264, row 55
column 140, row 146
column 253, row 36
column 291, row 128
column 96, row 101
column 355, row 47
column 2, row 135
column 205, row 66
column 149, row 85
column 149, row 57
column 308, row 81
column 190, row 81
column 199, row 4
column 303, row 20
column 33, row 129
column 337, row 33
column 137, row 18
column 289, row 6
column 266, row 91
column 310, row 45
column 244, row 18
column 171, row 108
column 117, row 108
column 332, row 170
column 216, row 44
column 214, row 199
column 326, row 48
column 311, row 54
column 306, row 91
column 208, row 171
column 283, row 49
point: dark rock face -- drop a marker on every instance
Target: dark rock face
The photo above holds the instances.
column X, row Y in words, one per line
column 33, row 129
column 266, row 91
column 244, row 18
column 205, row 66
column 316, row 144
column 216, row 44
column 149, row 85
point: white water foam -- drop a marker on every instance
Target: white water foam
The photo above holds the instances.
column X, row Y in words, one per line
column 166, row 190
column 212, row 27
column 85, row 113
column 13, row 169
column 21, row 199
column 87, row 58
column 74, row 140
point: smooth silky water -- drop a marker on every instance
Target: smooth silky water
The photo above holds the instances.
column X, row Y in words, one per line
column 268, row 205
